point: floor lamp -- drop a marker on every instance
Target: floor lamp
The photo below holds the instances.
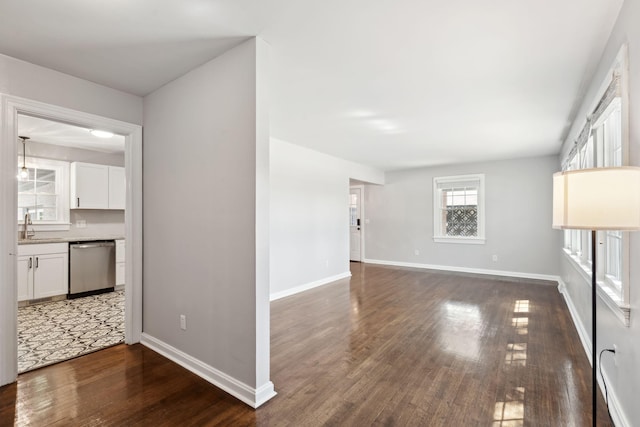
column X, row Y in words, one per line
column 596, row 199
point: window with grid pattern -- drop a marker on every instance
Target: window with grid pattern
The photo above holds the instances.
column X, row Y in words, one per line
column 44, row 193
column 459, row 209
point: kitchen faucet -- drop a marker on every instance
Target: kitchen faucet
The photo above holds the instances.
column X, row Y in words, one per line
column 26, row 233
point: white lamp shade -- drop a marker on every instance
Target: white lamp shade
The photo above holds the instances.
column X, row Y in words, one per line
column 597, row 199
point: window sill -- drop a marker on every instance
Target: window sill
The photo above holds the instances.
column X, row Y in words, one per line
column 621, row 310
column 459, row 240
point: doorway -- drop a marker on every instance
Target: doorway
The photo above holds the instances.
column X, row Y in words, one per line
column 356, row 223
column 10, row 108
column 56, row 321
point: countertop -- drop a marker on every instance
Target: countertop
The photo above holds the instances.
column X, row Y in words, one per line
column 37, row 239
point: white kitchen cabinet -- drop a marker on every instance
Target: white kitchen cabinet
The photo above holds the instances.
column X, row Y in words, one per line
column 89, row 186
column 43, row 270
column 120, row 265
column 25, row 277
column 97, row 186
column 117, row 188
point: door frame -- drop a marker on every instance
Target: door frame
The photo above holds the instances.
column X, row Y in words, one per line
column 362, row 222
column 10, row 107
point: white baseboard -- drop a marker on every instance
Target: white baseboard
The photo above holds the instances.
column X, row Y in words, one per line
column 619, row 418
column 585, row 339
column 465, row 270
column 307, row 286
column 249, row 395
column 617, row 414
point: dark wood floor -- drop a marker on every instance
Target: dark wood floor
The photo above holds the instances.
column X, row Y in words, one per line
column 390, row 346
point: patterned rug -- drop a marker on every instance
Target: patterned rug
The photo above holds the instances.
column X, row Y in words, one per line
column 55, row 331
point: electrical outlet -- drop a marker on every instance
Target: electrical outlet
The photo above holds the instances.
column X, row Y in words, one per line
column 326, row 263
column 183, row 322
column 81, row 223
column 495, row 258
column 416, row 252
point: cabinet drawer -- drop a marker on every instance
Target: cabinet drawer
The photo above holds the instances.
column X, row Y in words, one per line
column 43, row 248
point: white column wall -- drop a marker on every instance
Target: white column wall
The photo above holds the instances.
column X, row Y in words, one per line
column 206, row 200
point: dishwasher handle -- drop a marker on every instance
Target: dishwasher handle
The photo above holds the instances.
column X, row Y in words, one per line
column 92, row 245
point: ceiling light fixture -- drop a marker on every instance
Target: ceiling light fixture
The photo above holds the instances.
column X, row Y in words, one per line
column 23, row 175
column 101, row 133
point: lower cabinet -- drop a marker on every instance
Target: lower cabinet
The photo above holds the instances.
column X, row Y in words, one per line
column 43, row 270
column 120, row 262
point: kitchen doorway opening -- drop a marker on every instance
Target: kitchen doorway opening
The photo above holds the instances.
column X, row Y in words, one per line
column 71, row 258
column 11, row 108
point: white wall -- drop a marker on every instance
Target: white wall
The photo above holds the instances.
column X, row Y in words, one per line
column 624, row 375
column 518, row 219
column 310, row 216
column 205, row 218
column 20, row 78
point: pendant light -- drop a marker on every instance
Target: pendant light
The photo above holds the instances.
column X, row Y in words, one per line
column 23, row 175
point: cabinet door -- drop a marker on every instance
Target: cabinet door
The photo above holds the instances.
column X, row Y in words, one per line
column 120, row 262
column 89, row 186
column 25, row 278
column 120, row 278
column 50, row 275
column 120, row 250
column 117, row 188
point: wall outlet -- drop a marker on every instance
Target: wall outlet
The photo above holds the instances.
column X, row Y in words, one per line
column 183, row 322
column 326, row 263
column 366, row 221
column 81, row 223
column 495, row 258
column 416, row 252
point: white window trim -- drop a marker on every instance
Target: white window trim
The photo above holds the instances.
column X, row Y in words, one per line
column 438, row 235
column 621, row 310
column 62, row 168
column 616, row 299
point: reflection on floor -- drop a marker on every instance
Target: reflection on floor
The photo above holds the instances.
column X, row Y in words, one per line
column 60, row 330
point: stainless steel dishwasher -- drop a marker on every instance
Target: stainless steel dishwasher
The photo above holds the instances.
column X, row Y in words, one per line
column 92, row 267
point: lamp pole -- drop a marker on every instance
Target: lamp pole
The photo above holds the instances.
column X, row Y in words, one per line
column 594, row 351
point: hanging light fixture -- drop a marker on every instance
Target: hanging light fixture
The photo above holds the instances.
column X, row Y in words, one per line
column 23, row 175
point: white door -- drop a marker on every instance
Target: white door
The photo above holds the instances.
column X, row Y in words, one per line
column 355, row 223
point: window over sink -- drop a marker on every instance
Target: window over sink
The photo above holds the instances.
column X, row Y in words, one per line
column 44, row 195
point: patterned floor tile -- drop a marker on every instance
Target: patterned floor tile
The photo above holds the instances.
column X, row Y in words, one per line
column 59, row 330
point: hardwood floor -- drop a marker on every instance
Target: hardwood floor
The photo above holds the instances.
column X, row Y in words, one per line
column 391, row 346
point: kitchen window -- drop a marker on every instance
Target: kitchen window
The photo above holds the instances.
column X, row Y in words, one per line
column 458, row 209
column 45, row 194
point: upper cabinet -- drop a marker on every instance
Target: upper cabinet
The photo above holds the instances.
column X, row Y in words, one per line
column 117, row 188
column 97, row 186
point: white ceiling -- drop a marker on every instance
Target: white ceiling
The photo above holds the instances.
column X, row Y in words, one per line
column 55, row 133
column 393, row 84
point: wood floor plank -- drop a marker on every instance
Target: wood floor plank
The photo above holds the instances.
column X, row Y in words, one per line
column 388, row 347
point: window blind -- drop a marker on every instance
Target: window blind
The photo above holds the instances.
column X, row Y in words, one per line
column 613, row 91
